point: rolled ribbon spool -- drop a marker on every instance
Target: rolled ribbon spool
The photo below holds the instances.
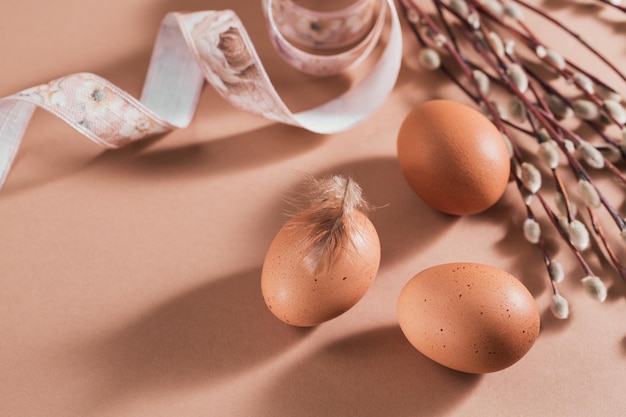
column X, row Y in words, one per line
column 294, row 30
column 214, row 47
column 317, row 30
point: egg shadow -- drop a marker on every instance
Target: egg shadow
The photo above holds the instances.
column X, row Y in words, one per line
column 404, row 223
column 525, row 260
column 374, row 373
column 216, row 330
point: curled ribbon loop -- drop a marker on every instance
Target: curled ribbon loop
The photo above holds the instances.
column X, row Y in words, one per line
column 214, row 47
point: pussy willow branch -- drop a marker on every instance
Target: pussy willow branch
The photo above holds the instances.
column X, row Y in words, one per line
column 463, row 22
column 577, row 36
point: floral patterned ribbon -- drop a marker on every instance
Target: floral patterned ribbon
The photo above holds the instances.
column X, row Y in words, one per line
column 214, row 47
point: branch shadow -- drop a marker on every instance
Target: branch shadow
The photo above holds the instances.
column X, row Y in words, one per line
column 526, row 260
column 211, row 332
column 374, row 373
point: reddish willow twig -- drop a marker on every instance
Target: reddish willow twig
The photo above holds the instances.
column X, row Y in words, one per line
column 539, row 109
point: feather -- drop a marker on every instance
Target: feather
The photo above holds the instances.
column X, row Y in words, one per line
column 326, row 219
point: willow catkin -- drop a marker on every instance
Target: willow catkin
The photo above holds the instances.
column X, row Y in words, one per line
column 615, row 110
column 482, row 81
column 595, row 287
column 578, row 235
column 584, row 82
column 513, row 10
column 518, row 76
column 532, row 231
column 559, row 307
column 555, row 270
column 589, row 194
column 429, row 59
column 591, row 155
column 531, row 177
column 608, row 93
column 585, row 109
column 548, row 152
column 496, row 43
column 558, row 107
column 555, row 59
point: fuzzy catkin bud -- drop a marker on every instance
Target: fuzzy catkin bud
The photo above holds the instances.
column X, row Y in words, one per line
column 495, row 41
column 494, row 7
column 569, row 146
column 595, row 287
column 555, row 58
column 544, row 136
column 615, row 110
column 474, row 20
column 549, row 154
column 531, row 177
column 513, row 10
column 591, row 155
column 413, row 16
column 532, row 231
column 429, row 59
column 460, row 7
column 541, row 51
column 528, row 197
column 559, row 307
column 509, row 46
column 589, row 194
column 578, row 235
column 585, row 82
column 518, row 76
column 558, row 107
column 585, row 109
column 509, row 145
column 555, row 269
column 517, row 109
column 482, row 80
column 500, row 110
column 607, row 93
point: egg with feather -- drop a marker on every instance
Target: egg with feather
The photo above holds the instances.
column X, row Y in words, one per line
column 324, row 258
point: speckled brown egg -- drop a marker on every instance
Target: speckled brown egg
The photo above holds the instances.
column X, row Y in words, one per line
column 453, row 157
column 304, row 295
column 470, row 317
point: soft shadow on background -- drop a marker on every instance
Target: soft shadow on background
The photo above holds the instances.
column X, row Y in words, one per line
column 148, row 159
column 404, row 223
column 370, row 374
column 221, row 156
column 211, row 332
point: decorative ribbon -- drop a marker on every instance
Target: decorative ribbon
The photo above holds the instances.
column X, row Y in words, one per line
column 213, row 46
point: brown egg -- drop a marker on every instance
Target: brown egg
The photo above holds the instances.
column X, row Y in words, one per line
column 453, row 157
column 302, row 294
column 470, row 317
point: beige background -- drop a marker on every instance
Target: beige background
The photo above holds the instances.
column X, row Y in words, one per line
column 129, row 279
